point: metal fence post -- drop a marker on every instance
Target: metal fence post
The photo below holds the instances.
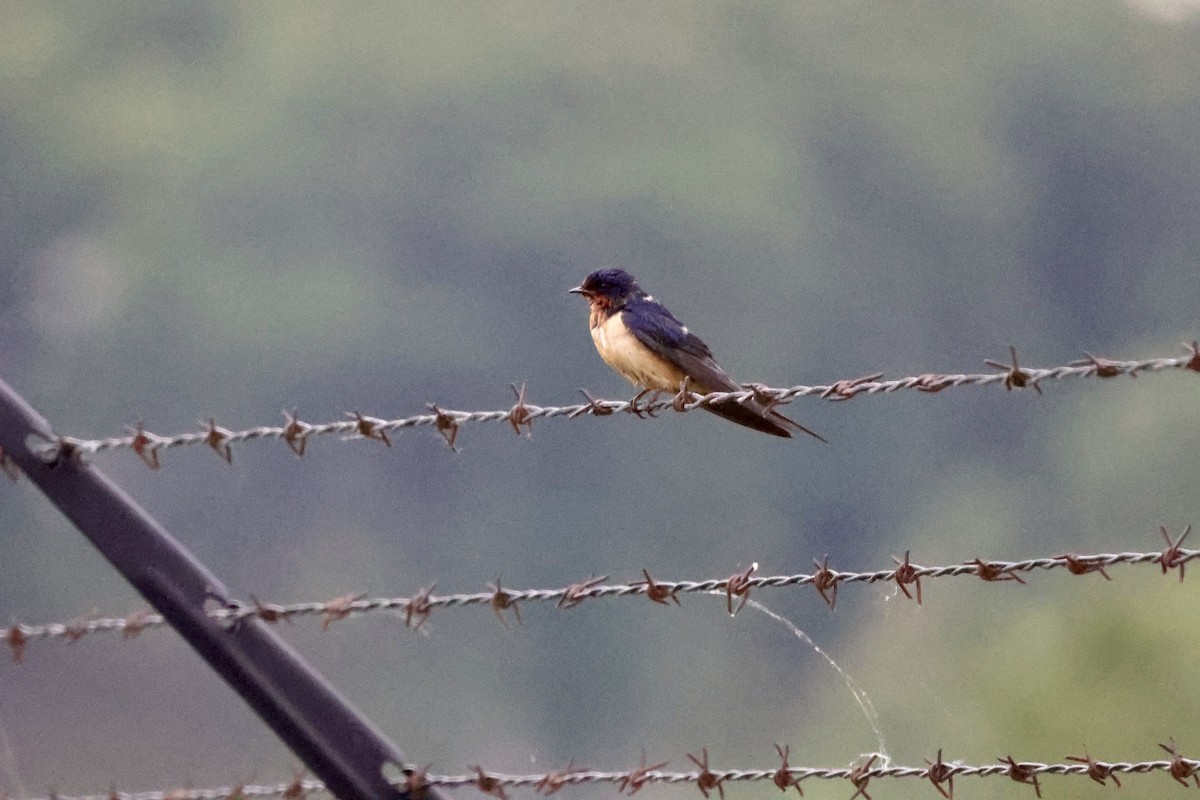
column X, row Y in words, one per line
column 341, row 746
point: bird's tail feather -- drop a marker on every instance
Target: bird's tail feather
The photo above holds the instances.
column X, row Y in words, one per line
column 758, row 417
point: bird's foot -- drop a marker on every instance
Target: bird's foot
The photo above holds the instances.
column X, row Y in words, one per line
column 680, row 401
column 644, row 409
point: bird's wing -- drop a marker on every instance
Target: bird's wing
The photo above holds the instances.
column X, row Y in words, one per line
column 655, row 327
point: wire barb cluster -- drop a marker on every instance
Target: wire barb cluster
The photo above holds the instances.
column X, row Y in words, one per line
column 940, row 773
column 296, row 433
column 736, row 588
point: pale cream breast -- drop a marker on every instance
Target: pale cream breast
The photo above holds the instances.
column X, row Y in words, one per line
column 621, row 350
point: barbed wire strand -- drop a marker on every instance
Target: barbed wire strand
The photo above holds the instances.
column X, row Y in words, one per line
column 417, row 608
column 939, row 772
column 296, row 433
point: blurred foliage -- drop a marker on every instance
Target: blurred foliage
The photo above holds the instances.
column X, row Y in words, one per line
column 225, row 209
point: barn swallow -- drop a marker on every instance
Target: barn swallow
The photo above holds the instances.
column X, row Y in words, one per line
column 644, row 342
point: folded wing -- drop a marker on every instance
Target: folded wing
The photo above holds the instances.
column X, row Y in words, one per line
column 659, row 330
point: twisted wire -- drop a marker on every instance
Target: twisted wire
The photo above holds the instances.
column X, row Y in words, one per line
column 296, row 433
column 417, row 607
column 546, row 783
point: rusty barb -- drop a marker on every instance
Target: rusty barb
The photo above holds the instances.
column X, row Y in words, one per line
column 505, row 603
column 296, row 433
column 709, row 781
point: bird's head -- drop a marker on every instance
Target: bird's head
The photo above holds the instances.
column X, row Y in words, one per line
column 609, row 288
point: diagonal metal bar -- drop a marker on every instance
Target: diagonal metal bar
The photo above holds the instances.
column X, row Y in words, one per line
column 334, row 740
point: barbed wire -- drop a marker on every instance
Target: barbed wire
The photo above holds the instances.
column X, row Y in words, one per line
column 417, row 608
column 521, row 416
column 939, row 772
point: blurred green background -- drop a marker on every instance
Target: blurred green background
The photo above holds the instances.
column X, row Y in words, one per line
column 219, row 209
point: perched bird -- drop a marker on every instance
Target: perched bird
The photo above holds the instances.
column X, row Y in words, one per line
column 640, row 339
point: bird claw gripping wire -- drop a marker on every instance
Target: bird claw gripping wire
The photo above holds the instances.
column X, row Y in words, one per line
column 643, row 410
column 684, row 395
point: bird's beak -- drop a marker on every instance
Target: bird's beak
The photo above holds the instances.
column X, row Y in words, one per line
column 576, row 290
